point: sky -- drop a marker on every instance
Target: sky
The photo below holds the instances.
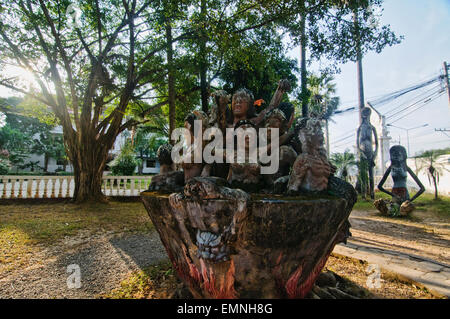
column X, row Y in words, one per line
column 425, row 25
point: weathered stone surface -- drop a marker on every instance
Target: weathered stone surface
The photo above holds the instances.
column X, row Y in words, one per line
column 224, row 243
column 326, row 279
column 339, row 294
column 322, row 293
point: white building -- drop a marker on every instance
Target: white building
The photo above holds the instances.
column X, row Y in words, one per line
column 151, row 166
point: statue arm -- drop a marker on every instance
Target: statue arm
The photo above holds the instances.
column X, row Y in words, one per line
column 376, row 141
column 383, row 180
column 283, row 87
column 358, row 132
column 417, row 180
column 286, row 137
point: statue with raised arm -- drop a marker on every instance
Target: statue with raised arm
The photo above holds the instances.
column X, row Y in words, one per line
column 367, row 134
column 401, row 202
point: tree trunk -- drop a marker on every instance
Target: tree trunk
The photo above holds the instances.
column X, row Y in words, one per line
column 436, row 195
column 171, row 80
column 303, row 72
column 203, row 63
column 88, row 159
column 45, row 163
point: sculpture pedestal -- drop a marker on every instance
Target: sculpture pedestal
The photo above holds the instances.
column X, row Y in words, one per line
column 225, row 243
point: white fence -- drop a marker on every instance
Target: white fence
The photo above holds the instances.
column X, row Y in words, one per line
column 12, row 187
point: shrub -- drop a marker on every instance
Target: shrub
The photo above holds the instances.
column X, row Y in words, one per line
column 5, row 165
column 125, row 163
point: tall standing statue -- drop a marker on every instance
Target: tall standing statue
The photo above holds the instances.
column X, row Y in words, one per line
column 367, row 134
column 401, row 202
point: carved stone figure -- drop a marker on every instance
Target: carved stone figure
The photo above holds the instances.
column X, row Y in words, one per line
column 366, row 135
column 277, row 118
column 311, row 169
column 168, row 180
column 190, row 168
column 245, row 174
column 401, row 202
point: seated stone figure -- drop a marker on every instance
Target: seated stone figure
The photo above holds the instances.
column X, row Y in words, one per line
column 281, row 119
column 245, row 174
column 311, row 169
column 168, row 180
column 401, row 203
column 190, row 168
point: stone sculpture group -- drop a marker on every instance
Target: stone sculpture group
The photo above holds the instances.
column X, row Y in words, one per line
column 232, row 232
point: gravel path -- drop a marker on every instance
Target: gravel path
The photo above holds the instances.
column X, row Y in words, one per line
column 104, row 260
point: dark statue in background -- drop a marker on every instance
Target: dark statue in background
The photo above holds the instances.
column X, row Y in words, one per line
column 366, row 136
column 401, row 203
column 232, row 232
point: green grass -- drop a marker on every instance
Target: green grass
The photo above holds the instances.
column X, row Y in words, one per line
column 425, row 202
column 441, row 206
column 154, row 282
column 23, row 226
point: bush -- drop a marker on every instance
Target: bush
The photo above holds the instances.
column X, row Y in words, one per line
column 4, row 167
column 125, row 163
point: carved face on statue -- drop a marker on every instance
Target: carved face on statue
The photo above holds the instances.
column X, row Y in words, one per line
column 209, row 229
column 365, row 114
column 275, row 119
column 311, row 136
column 397, row 154
column 242, row 105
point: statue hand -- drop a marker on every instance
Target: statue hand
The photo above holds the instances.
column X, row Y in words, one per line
column 284, row 85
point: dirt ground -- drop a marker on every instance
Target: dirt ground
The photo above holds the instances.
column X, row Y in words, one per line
column 424, row 234
column 104, row 261
column 114, row 244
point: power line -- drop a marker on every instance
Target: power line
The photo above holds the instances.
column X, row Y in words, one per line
column 425, row 99
column 395, row 95
column 345, row 138
column 421, row 94
column 420, row 107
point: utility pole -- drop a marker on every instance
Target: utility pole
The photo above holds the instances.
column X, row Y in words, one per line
column 362, row 173
column 359, row 67
column 303, row 73
column 446, row 81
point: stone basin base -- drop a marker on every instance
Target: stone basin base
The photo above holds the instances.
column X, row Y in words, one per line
column 225, row 243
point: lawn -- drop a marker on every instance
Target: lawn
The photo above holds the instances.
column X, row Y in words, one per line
column 425, row 202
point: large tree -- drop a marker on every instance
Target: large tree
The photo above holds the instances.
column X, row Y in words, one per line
column 327, row 31
column 90, row 60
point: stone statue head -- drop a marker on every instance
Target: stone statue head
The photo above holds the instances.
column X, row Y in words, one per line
column 275, row 119
column 398, row 154
column 190, row 119
column 365, row 113
column 164, row 154
column 310, row 133
column 288, row 111
column 242, row 103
